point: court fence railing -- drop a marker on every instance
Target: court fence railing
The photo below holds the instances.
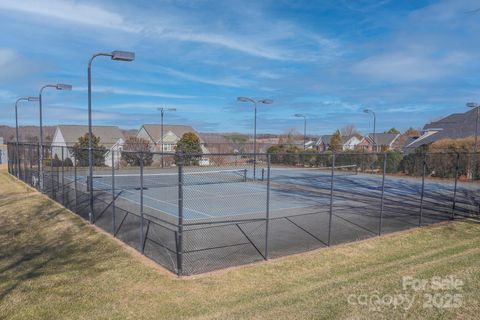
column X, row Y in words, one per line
column 194, row 213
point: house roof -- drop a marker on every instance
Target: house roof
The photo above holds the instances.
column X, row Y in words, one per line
column 155, row 130
column 108, row 135
column 454, row 126
column 326, row 139
column 382, row 139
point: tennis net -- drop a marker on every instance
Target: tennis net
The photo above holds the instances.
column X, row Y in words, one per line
column 158, row 180
column 306, row 173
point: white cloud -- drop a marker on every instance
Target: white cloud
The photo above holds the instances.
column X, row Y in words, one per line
column 13, row 66
column 131, row 92
column 7, row 96
column 411, row 65
column 230, row 81
column 70, row 11
column 273, row 45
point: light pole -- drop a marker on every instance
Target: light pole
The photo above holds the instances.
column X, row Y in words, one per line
column 264, row 101
column 16, row 128
column 114, row 55
column 298, row 115
column 162, row 113
column 59, row 86
column 474, row 170
column 374, row 128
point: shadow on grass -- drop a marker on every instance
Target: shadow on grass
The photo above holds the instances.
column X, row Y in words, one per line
column 36, row 241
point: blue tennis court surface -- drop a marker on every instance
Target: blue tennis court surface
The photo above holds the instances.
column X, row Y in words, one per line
column 292, row 191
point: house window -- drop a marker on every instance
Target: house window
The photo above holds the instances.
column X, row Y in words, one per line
column 167, row 147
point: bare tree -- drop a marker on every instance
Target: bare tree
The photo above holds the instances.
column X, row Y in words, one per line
column 290, row 136
column 349, row 130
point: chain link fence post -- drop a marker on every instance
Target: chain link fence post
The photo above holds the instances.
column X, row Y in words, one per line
column 383, row 194
column 267, row 215
column 424, row 169
column 455, row 186
column 142, row 240
column 38, row 168
column 113, row 194
column 24, row 161
column 63, row 176
column 52, row 180
column 17, row 161
column 180, row 163
column 331, row 201
column 30, row 156
column 91, row 165
column 75, row 183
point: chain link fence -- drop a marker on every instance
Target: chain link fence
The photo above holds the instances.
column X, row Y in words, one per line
column 194, row 213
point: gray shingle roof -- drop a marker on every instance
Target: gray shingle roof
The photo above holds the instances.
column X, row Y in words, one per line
column 154, row 130
column 108, row 135
column 454, row 126
column 382, row 139
column 326, row 139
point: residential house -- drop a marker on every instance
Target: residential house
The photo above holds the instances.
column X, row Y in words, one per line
column 348, row 143
column 67, row 136
column 379, row 142
column 310, row 144
column 454, row 126
column 171, row 135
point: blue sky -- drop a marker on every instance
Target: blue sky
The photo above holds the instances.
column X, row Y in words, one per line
column 410, row 61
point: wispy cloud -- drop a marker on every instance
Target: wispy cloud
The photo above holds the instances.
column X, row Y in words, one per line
column 411, row 65
column 132, row 92
column 167, row 29
column 230, row 81
column 73, row 12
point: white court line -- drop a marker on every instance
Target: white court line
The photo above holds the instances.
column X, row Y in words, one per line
column 200, row 212
column 157, row 200
column 216, row 195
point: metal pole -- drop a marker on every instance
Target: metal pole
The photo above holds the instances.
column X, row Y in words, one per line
column 24, row 163
column 374, row 132
column 58, row 177
column 255, row 142
column 305, row 133
column 115, row 55
column 474, row 162
column 455, row 187
column 424, row 169
column 75, row 183
column 16, row 131
column 331, row 201
column 30, row 156
column 38, row 166
column 63, row 178
column 161, row 136
column 40, row 160
column 52, row 181
column 113, row 193
column 142, row 240
column 180, row 214
column 383, row 193
column 90, row 151
column 267, row 216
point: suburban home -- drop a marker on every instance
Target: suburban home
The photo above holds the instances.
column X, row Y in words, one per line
column 171, row 135
column 310, row 144
column 67, row 136
column 347, row 143
column 382, row 141
column 454, row 126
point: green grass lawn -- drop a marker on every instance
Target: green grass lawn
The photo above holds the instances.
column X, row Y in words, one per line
column 54, row 265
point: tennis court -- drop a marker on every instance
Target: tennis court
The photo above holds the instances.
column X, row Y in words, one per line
column 193, row 219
